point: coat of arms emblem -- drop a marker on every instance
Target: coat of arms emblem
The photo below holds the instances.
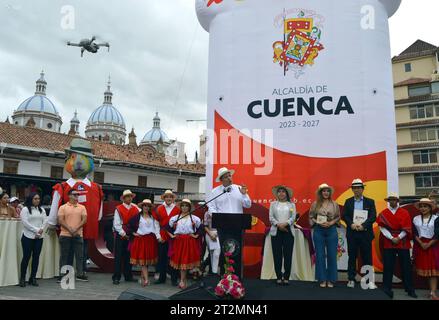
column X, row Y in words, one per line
column 301, row 40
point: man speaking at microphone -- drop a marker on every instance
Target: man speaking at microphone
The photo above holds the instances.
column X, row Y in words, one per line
column 230, row 198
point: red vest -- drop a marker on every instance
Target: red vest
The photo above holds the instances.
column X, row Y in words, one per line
column 163, row 218
column 396, row 223
column 126, row 214
column 91, row 197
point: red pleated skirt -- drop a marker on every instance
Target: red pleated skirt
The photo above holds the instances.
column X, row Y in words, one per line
column 426, row 261
column 144, row 250
column 186, row 252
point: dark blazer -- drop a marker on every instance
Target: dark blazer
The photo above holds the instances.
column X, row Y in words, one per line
column 348, row 217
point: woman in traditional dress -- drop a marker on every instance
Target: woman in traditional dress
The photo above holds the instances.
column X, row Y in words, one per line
column 144, row 232
column 186, row 247
column 426, row 247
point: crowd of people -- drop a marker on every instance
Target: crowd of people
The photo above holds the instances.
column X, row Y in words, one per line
column 174, row 240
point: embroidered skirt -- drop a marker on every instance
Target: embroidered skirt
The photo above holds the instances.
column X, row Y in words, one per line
column 426, row 261
column 144, row 250
column 186, row 252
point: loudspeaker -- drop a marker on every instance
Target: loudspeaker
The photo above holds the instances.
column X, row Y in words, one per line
column 138, row 294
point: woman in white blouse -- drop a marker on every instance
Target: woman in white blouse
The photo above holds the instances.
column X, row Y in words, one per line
column 186, row 245
column 34, row 220
column 144, row 232
column 426, row 246
column 282, row 218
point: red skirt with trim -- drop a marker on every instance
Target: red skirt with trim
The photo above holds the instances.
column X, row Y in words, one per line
column 186, row 252
column 144, row 250
column 426, row 261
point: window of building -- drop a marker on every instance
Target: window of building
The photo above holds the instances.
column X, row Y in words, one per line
column 142, row 181
column 10, row 167
column 435, row 87
column 423, row 134
column 419, row 90
column 56, row 172
column 408, row 67
column 180, row 185
column 99, row 177
column 427, row 180
column 49, row 126
column 425, row 156
column 422, row 111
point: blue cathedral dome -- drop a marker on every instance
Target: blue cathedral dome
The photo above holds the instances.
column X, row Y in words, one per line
column 107, row 113
column 39, row 102
column 106, row 122
column 155, row 134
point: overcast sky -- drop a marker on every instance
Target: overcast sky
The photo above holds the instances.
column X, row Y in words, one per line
column 157, row 62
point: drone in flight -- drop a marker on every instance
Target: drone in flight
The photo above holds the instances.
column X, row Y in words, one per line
column 90, row 45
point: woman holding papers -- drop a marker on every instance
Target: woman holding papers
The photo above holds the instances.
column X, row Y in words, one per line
column 426, row 246
column 324, row 217
column 282, row 218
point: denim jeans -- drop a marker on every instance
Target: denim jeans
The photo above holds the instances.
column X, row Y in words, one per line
column 326, row 243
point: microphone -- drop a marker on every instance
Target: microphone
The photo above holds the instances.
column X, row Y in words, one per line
column 228, row 190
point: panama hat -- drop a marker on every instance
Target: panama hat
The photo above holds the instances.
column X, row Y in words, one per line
column 325, row 186
column 187, row 201
column 127, row 193
column 80, row 146
column 145, row 203
column 275, row 190
column 392, row 195
column 425, row 201
column 357, row 183
column 222, row 172
column 168, row 192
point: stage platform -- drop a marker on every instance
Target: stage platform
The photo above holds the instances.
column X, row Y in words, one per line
column 100, row 287
column 297, row 290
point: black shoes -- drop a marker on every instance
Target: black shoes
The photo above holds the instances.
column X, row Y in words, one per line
column 116, row 282
column 412, row 294
column 82, row 278
column 33, row 282
column 389, row 293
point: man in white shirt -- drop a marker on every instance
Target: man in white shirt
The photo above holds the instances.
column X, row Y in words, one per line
column 163, row 213
column 231, row 199
column 122, row 215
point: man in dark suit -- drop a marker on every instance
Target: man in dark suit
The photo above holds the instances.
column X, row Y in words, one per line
column 359, row 235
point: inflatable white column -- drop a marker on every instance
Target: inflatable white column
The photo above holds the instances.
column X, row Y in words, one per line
column 316, row 72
